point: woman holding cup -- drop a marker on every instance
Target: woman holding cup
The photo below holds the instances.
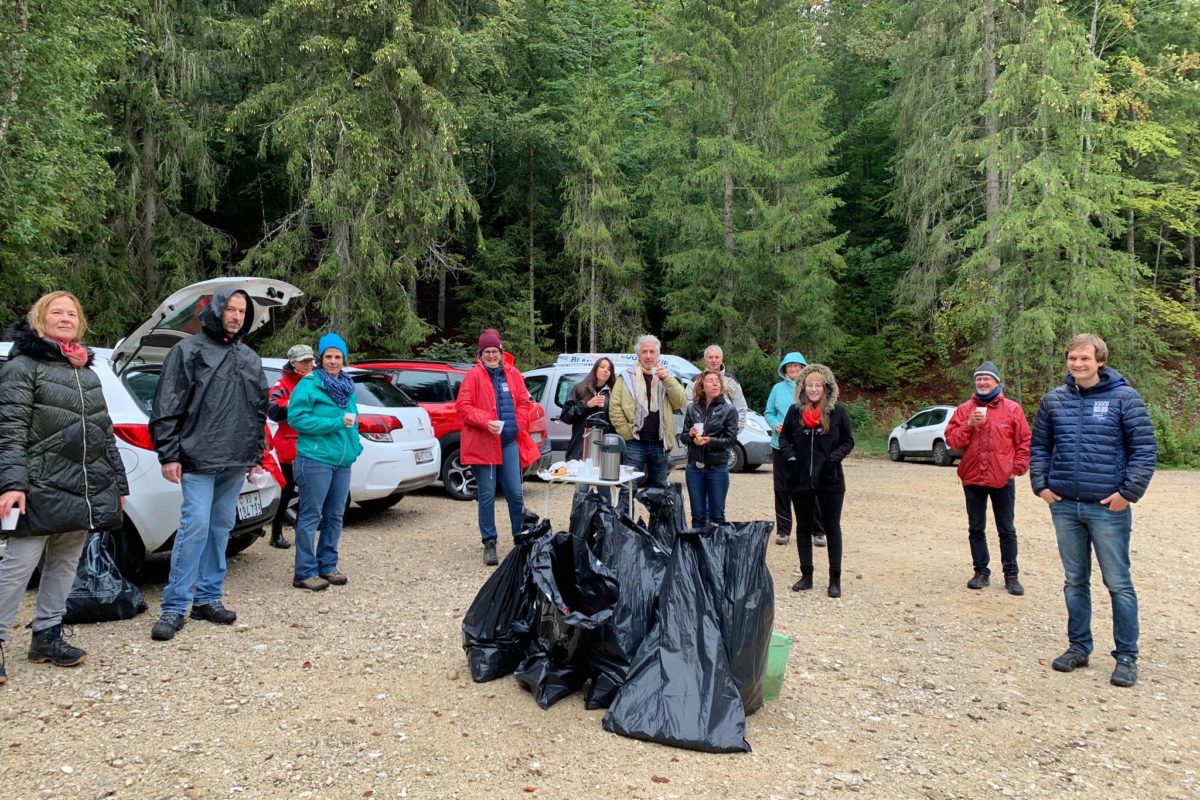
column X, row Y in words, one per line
column 323, row 410
column 60, row 471
column 494, row 405
column 710, row 428
column 587, row 408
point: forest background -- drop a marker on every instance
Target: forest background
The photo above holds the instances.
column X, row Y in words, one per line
column 898, row 189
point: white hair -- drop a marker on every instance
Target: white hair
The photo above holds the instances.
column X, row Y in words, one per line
column 716, row 347
column 648, row 338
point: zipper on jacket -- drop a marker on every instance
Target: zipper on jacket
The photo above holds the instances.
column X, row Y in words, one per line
column 87, row 490
column 812, row 439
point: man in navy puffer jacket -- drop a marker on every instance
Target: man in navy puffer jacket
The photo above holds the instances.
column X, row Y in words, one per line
column 1093, row 454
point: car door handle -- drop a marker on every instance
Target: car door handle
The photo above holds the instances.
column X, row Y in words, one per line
column 556, row 419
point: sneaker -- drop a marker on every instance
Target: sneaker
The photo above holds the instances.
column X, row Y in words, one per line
column 214, row 612
column 489, row 554
column 336, row 578
column 3, row 673
column 979, row 581
column 168, row 623
column 783, row 538
column 313, row 584
column 1071, row 660
column 818, row 540
column 1013, row 586
column 802, row 585
column 49, row 646
column 1124, row 674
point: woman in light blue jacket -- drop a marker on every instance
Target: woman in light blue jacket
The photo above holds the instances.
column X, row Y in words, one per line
column 780, row 400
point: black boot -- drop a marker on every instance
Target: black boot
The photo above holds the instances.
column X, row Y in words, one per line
column 835, row 584
column 3, row 674
column 49, row 645
column 277, row 539
column 805, row 582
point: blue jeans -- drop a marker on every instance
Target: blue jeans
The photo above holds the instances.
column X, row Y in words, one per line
column 1082, row 527
column 323, row 490
column 207, row 515
column 508, row 473
column 707, row 488
column 650, row 458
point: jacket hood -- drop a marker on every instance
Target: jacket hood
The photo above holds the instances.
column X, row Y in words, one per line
column 1109, row 379
column 26, row 342
column 793, row 357
column 210, row 317
column 831, row 387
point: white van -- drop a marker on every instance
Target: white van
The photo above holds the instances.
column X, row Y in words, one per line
column 551, row 385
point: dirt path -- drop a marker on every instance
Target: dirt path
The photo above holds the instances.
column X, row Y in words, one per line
column 909, row 686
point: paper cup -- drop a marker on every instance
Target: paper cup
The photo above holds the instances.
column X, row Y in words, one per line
column 260, row 480
column 699, row 428
column 501, row 426
column 349, row 417
column 982, row 410
column 9, row 523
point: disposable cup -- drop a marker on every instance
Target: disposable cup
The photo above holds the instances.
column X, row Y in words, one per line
column 260, row 480
column 699, row 428
column 982, row 410
column 9, row 523
column 349, row 417
column 501, row 426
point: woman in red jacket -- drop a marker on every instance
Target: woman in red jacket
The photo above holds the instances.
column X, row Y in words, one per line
column 993, row 434
column 495, row 405
column 300, row 363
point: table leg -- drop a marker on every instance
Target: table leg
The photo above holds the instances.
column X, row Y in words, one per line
column 546, row 507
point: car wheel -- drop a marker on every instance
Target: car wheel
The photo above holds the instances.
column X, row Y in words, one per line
column 737, row 458
column 941, row 454
column 129, row 553
column 894, row 451
column 458, row 480
column 381, row 503
column 750, row 467
column 241, row 541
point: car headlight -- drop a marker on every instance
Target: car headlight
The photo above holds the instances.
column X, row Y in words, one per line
column 755, row 425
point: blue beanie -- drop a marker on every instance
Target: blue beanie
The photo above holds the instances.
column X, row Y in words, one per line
column 333, row 340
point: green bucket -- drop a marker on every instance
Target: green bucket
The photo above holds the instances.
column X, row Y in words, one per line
column 777, row 656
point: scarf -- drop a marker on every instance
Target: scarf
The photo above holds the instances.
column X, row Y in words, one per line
column 340, row 389
column 75, row 353
column 984, row 399
column 642, row 405
column 812, row 416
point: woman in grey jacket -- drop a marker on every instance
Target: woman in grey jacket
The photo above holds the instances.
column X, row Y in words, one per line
column 59, row 469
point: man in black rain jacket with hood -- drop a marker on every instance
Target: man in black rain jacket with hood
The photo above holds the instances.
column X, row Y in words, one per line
column 207, row 424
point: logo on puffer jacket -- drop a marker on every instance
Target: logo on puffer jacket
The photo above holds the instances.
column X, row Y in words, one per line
column 1100, row 409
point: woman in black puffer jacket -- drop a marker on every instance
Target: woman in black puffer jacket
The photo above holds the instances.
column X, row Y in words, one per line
column 814, row 441
column 59, row 468
column 710, row 426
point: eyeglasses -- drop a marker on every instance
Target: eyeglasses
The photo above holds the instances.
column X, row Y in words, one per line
column 492, row 351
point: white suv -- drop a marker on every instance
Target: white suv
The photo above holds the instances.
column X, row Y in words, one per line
column 400, row 452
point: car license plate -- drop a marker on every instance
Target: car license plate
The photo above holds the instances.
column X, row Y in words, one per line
column 424, row 456
column 249, row 506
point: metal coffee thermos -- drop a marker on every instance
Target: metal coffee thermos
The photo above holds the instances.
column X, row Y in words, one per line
column 591, row 445
column 610, row 457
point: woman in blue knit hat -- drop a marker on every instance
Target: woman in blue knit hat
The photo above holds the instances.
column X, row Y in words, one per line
column 323, row 412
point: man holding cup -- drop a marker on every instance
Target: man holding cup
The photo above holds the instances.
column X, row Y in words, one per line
column 993, row 435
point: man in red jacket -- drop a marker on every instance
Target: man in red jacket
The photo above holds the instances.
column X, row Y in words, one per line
column 993, row 434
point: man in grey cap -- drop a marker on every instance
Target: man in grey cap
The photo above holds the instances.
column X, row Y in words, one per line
column 993, row 435
column 300, row 363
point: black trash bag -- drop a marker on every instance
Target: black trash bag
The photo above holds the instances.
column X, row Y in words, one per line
column 577, row 595
column 680, row 689
column 667, row 513
column 630, row 552
column 739, row 568
column 100, row 592
column 502, row 619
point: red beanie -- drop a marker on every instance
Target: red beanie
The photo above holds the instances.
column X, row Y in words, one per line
column 490, row 338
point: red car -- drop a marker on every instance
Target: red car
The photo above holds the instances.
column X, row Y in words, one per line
column 434, row 386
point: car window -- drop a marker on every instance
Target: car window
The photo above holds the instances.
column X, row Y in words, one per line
column 937, row 416
column 919, row 420
column 536, row 384
column 424, row 386
column 142, row 386
column 456, row 379
column 566, row 384
column 376, row 391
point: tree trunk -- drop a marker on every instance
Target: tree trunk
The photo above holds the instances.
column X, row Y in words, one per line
column 16, row 52
column 991, row 178
column 441, row 301
column 727, row 222
column 529, row 247
column 144, row 244
column 1191, row 257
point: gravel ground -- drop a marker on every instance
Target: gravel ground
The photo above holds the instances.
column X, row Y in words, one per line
column 909, row 686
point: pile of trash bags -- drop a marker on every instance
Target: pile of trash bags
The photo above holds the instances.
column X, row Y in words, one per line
column 667, row 627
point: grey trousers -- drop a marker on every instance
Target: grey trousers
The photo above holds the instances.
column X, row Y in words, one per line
column 21, row 558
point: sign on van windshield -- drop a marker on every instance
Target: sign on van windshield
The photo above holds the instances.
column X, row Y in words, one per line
column 680, row 366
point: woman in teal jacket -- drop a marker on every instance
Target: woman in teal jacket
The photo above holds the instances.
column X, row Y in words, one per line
column 778, row 402
column 323, row 412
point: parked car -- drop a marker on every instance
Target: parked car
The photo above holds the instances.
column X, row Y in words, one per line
column 551, row 385
column 923, row 435
column 151, row 513
column 400, row 451
column 434, row 386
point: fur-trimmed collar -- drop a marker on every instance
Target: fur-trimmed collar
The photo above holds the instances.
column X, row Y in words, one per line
column 26, row 342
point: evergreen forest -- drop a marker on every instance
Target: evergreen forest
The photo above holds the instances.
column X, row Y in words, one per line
column 896, row 189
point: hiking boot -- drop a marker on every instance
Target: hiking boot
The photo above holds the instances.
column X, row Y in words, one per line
column 336, row 578
column 1125, row 673
column 168, row 623
column 835, row 588
column 489, row 554
column 804, row 584
column 313, row 584
column 979, row 581
column 277, row 539
column 818, row 540
column 1071, row 660
column 3, row 673
column 49, row 645
column 783, row 538
column 214, row 612
column 1013, row 586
